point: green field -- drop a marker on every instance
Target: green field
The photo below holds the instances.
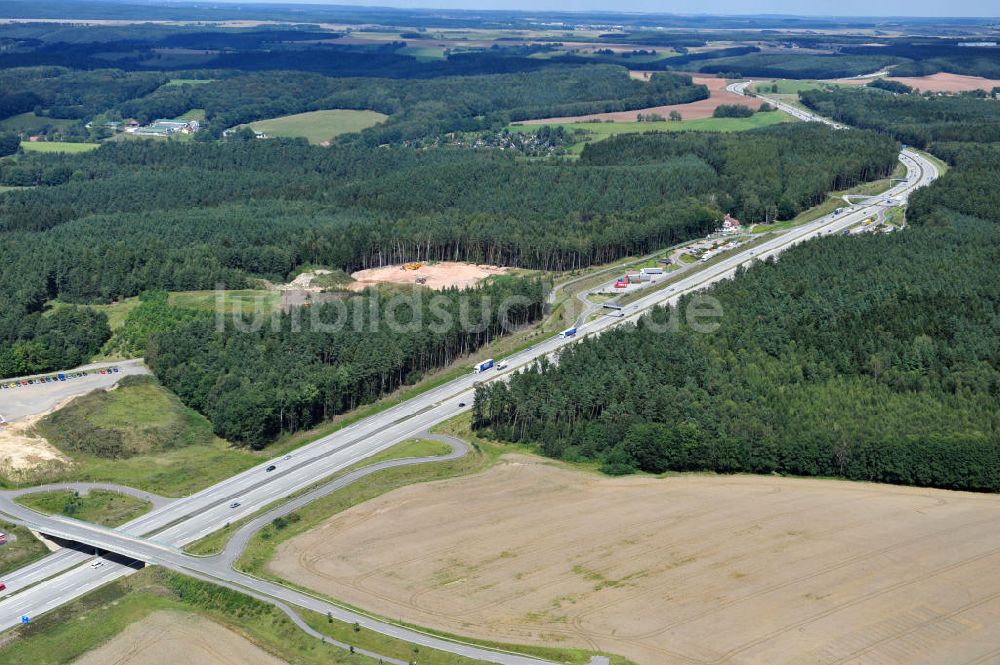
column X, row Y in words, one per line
column 97, row 506
column 116, row 311
column 318, row 126
column 791, row 86
column 423, row 53
column 603, row 130
column 140, row 435
column 193, row 114
column 175, row 82
column 58, row 146
column 241, row 300
column 29, row 123
column 203, row 301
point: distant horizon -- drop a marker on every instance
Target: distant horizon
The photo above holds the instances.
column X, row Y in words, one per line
column 974, row 9
column 805, row 9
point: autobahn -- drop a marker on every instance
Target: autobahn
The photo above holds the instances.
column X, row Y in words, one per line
column 158, row 536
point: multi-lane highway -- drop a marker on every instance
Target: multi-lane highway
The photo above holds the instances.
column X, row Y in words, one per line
column 158, row 536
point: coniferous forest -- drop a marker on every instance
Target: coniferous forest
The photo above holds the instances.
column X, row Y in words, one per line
column 873, row 358
column 141, row 215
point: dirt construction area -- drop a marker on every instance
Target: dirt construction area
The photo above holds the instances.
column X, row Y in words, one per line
column 435, row 275
column 718, row 95
column 166, row 638
column 689, row 569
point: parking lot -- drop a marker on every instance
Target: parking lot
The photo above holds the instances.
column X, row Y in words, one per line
column 26, row 396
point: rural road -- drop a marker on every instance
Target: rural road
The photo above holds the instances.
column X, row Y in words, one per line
column 157, row 536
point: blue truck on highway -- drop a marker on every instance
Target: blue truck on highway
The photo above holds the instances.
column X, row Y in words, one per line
column 483, row 366
column 569, row 332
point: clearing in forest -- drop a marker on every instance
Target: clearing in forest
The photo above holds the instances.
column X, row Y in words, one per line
column 319, row 126
column 436, row 275
column 718, row 95
column 683, row 569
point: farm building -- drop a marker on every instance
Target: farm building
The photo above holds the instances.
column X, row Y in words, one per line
column 167, row 127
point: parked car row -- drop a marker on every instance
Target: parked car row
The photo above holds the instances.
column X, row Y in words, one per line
column 55, row 378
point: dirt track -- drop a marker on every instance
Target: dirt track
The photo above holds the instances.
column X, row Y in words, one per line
column 693, row 569
column 167, row 638
column 718, row 95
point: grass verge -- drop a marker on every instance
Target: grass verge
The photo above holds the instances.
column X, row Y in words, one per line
column 21, row 549
column 97, row 506
column 941, row 165
column 142, row 436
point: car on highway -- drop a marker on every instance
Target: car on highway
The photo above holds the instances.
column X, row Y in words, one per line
column 461, row 403
column 3, row 586
column 97, row 564
column 234, row 504
column 287, row 457
column 270, row 467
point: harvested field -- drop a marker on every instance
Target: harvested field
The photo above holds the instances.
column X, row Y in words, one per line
column 718, row 95
column 949, row 82
column 690, row 569
column 439, row 275
column 165, row 638
column 940, row 82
